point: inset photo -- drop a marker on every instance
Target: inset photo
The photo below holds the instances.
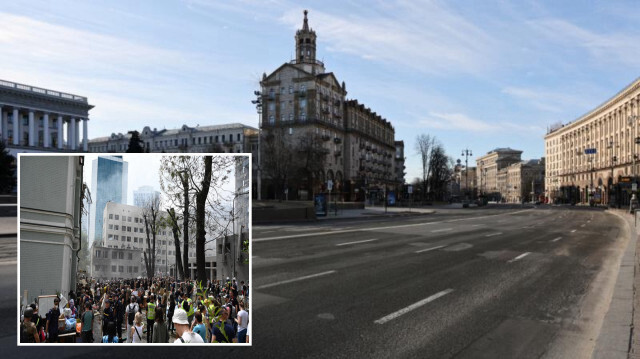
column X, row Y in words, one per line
column 139, row 249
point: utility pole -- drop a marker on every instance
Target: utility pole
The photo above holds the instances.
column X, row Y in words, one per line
column 258, row 103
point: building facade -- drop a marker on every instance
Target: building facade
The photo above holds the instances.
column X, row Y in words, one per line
column 34, row 119
column 50, row 226
column 144, row 195
column 229, row 138
column 116, row 263
column 525, row 181
column 303, row 102
column 594, row 158
column 109, row 180
column 488, row 167
column 234, row 262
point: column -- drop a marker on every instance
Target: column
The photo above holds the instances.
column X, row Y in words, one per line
column 85, row 136
column 69, row 134
column 76, row 128
column 72, row 136
column 45, row 132
column 5, row 125
column 31, row 129
column 60, row 132
column 16, row 130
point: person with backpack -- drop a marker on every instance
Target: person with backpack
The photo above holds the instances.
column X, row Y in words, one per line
column 28, row 330
column 111, row 333
column 130, row 313
column 87, row 324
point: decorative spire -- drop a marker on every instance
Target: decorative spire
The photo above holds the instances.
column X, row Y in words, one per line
column 305, row 24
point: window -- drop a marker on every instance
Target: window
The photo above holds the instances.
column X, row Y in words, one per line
column 110, row 237
column 117, row 217
column 216, row 139
column 113, row 269
column 272, row 109
column 136, row 219
column 98, row 253
column 272, row 120
column 290, row 88
column 114, row 255
column 128, row 239
column 115, row 237
column 128, row 229
column 120, row 269
column 135, row 229
column 130, row 256
column 120, row 255
column 290, row 117
column 128, row 219
column 110, row 216
column 238, row 137
column 303, row 88
column 222, row 138
column 283, row 106
column 117, row 228
column 111, row 226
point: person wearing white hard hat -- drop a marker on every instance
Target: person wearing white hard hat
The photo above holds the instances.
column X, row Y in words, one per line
column 185, row 335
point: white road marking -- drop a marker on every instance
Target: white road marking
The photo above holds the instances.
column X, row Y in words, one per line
column 573, row 230
column 295, row 279
column 429, row 249
column 413, row 306
column 442, row 230
column 556, row 239
column 324, row 233
column 356, row 242
column 493, row 234
column 582, row 225
column 520, row 257
column 480, row 224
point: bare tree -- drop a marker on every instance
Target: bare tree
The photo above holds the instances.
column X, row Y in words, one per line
column 310, row 158
column 173, row 223
column 440, row 170
column 153, row 222
column 277, row 163
column 423, row 146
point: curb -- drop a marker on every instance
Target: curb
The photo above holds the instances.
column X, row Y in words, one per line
column 614, row 339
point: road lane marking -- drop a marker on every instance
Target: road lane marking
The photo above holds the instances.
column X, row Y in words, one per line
column 556, row 239
column 520, row 257
column 493, row 234
column 573, row 230
column 296, row 279
column 324, row 233
column 429, row 249
column 413, row 306
column 442, row 230
column 582, row 225
column 356, row 242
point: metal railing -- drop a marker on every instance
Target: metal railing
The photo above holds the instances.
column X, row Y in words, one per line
column 42, row 91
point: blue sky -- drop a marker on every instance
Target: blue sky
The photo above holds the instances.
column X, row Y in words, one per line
column 476, row 74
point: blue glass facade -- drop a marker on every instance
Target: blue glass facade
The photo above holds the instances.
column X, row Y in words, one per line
column 109, row 185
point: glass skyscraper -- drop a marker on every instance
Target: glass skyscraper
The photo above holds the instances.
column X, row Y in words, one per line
column 109, row 184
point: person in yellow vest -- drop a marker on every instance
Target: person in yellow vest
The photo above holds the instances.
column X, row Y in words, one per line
column 187, row 305
column 151, row 317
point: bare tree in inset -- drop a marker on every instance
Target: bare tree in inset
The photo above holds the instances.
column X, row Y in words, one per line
column 424, row 145
column 153, row 222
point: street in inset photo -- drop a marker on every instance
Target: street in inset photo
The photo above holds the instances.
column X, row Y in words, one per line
column 134, row 248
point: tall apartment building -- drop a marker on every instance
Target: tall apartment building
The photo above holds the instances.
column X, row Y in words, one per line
column 302, row 101
column 50, row 210
column 227, row 138
column 144, row 195
column 109, row 182
column 33, row 119
column 594, row 158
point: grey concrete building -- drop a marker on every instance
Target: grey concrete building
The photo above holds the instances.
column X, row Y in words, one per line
column 116, row 263
column 33, row 119
column 301, row 101
column 226, row 138
column 50, row 227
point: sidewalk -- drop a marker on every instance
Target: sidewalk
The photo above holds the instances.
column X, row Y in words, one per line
column 616, row 339
column 375, row 212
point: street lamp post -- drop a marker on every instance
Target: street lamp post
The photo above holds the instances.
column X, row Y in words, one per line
column 258, row 103
column 466, row 153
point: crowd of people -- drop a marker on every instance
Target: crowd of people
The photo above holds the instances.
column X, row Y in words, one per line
column 160, row 310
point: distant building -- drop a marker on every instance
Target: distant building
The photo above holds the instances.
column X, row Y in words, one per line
column 228, row 138
column 109, row 184
column 50, row 210
column 34, row 119
column 488, row 167
column 116, row 263
column 144, row 195
column 525, row 181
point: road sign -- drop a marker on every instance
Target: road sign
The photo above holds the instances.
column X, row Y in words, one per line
column 589, row 151
column 410, row 189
